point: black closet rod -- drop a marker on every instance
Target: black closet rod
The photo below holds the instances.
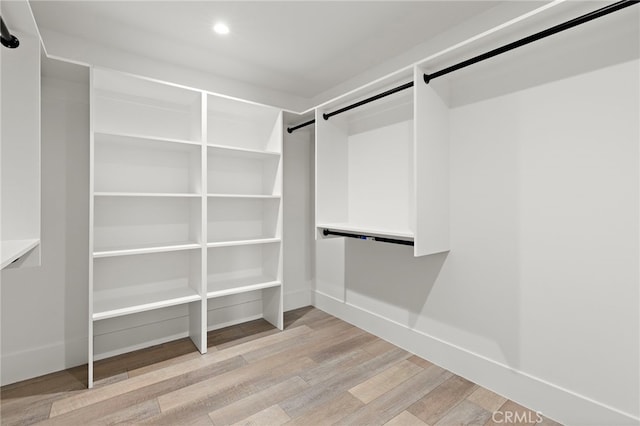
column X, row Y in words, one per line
column 326, row 116
column 357, row 104
column 495, row 52
column 298, row 126
column 507, row 47
column 8, row 40
column 326, row 232
column 534, row 37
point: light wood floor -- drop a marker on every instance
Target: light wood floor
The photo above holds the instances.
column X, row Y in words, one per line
column 319, row 370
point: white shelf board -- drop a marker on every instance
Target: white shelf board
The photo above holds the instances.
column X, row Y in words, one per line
column 15, row 249
column 241, row 285
column 243, row 242
column 146, row 194
column 156, row 248
column 147, row 138
column 241, row 196
column 129, row 301
column 242, row 152
column 367, row 230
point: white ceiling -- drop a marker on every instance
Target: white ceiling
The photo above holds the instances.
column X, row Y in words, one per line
column 301, row 48
column 296, row 55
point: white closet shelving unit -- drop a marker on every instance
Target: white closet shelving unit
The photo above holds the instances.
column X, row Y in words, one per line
column 185, row 201
column 382, row 168
column 244, row 202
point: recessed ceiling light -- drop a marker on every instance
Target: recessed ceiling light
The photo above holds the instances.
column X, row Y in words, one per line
column 221, row 28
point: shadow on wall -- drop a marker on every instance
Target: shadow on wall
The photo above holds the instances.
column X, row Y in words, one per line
column 389, row 278
column 433, row 295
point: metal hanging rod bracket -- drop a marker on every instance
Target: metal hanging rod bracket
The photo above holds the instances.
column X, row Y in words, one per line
column 327, row 232
column 298, row 126
column 8, row 40
column 534, row 37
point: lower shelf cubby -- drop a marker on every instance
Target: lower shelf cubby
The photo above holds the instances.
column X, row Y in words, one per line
column 129, row 284
column 119, row 335
column 242, row 268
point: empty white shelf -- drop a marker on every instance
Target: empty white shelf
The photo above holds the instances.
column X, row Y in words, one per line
column 141, row 137
column 240, row 285
column 156, row 248
column 243, row 242
column 145, row 194
column 258, row 196
column 232, row 151
column 367, row 230
column 15, row 249
column 115, row 303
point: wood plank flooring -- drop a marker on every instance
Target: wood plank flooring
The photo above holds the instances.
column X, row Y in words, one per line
column 318, row 371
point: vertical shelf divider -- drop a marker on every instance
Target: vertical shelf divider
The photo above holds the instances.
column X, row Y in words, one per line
column 91, row 222
column 273, row 298
column 430, row 168
column 200, row 328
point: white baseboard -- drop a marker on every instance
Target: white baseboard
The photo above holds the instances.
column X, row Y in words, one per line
column 553, row 401
column 23, row 365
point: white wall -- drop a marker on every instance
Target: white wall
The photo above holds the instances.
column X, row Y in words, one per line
column 44, row 309
column 538, row 297
column 564, row 165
